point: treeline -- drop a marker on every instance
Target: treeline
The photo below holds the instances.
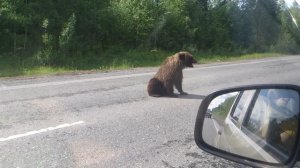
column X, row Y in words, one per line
column 54, row 31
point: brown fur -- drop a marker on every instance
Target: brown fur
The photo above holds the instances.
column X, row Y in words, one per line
column 170, row 74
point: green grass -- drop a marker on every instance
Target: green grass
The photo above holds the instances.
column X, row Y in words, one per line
column 225, row 58
column 33, row 66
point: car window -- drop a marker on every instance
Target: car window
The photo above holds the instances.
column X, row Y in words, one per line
column 242, row 105
column 254, row 123
column 275, row 122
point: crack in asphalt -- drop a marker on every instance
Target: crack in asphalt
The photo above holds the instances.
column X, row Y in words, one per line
column 64, row 95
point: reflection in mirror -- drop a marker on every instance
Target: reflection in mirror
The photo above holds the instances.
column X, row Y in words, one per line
column 258, row 124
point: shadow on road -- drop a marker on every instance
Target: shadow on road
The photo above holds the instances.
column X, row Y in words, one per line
column 191, row 96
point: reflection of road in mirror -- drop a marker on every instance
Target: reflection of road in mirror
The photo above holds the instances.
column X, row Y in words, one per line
column 210, row 131
column 213, row 134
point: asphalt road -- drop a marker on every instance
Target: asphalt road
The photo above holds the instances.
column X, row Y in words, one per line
column 108, row 120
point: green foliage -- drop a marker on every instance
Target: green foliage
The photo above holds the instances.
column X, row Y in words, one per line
column 220, row 113
column 115, row 58
column 135, row 19
column 67, row 32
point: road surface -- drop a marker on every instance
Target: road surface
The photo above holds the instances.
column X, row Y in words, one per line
column 108, row 120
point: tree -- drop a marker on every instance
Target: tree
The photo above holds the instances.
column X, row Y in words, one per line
column 266, row 24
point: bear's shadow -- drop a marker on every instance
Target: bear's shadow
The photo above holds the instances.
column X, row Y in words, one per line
column 190, row 96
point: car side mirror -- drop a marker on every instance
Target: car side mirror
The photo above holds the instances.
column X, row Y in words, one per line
column 254, row 125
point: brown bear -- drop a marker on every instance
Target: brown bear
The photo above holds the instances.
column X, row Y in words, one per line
column 170, row 74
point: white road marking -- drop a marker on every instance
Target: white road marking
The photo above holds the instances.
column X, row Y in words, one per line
column 40, row 131
column 129, row 76
column 71, row 81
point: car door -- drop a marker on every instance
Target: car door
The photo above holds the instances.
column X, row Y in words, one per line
column 235, row 138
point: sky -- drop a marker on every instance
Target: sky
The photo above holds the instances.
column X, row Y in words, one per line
column 220, row 99
column 290, row 2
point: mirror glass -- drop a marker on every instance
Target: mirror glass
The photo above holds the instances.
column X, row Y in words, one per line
column 258, row 124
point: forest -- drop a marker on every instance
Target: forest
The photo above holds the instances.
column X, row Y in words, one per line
column 76, row 33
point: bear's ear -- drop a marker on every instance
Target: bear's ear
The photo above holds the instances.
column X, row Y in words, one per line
column 182, row 56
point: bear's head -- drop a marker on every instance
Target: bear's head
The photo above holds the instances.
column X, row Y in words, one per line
column 186, row 58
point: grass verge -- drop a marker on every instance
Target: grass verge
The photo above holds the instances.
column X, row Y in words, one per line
column 13, row 66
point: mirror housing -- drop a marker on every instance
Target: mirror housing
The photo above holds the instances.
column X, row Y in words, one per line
column 203, row 113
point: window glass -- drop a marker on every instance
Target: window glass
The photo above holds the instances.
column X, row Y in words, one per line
column 274, row 118
column 242, row 105
column 254, row 124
